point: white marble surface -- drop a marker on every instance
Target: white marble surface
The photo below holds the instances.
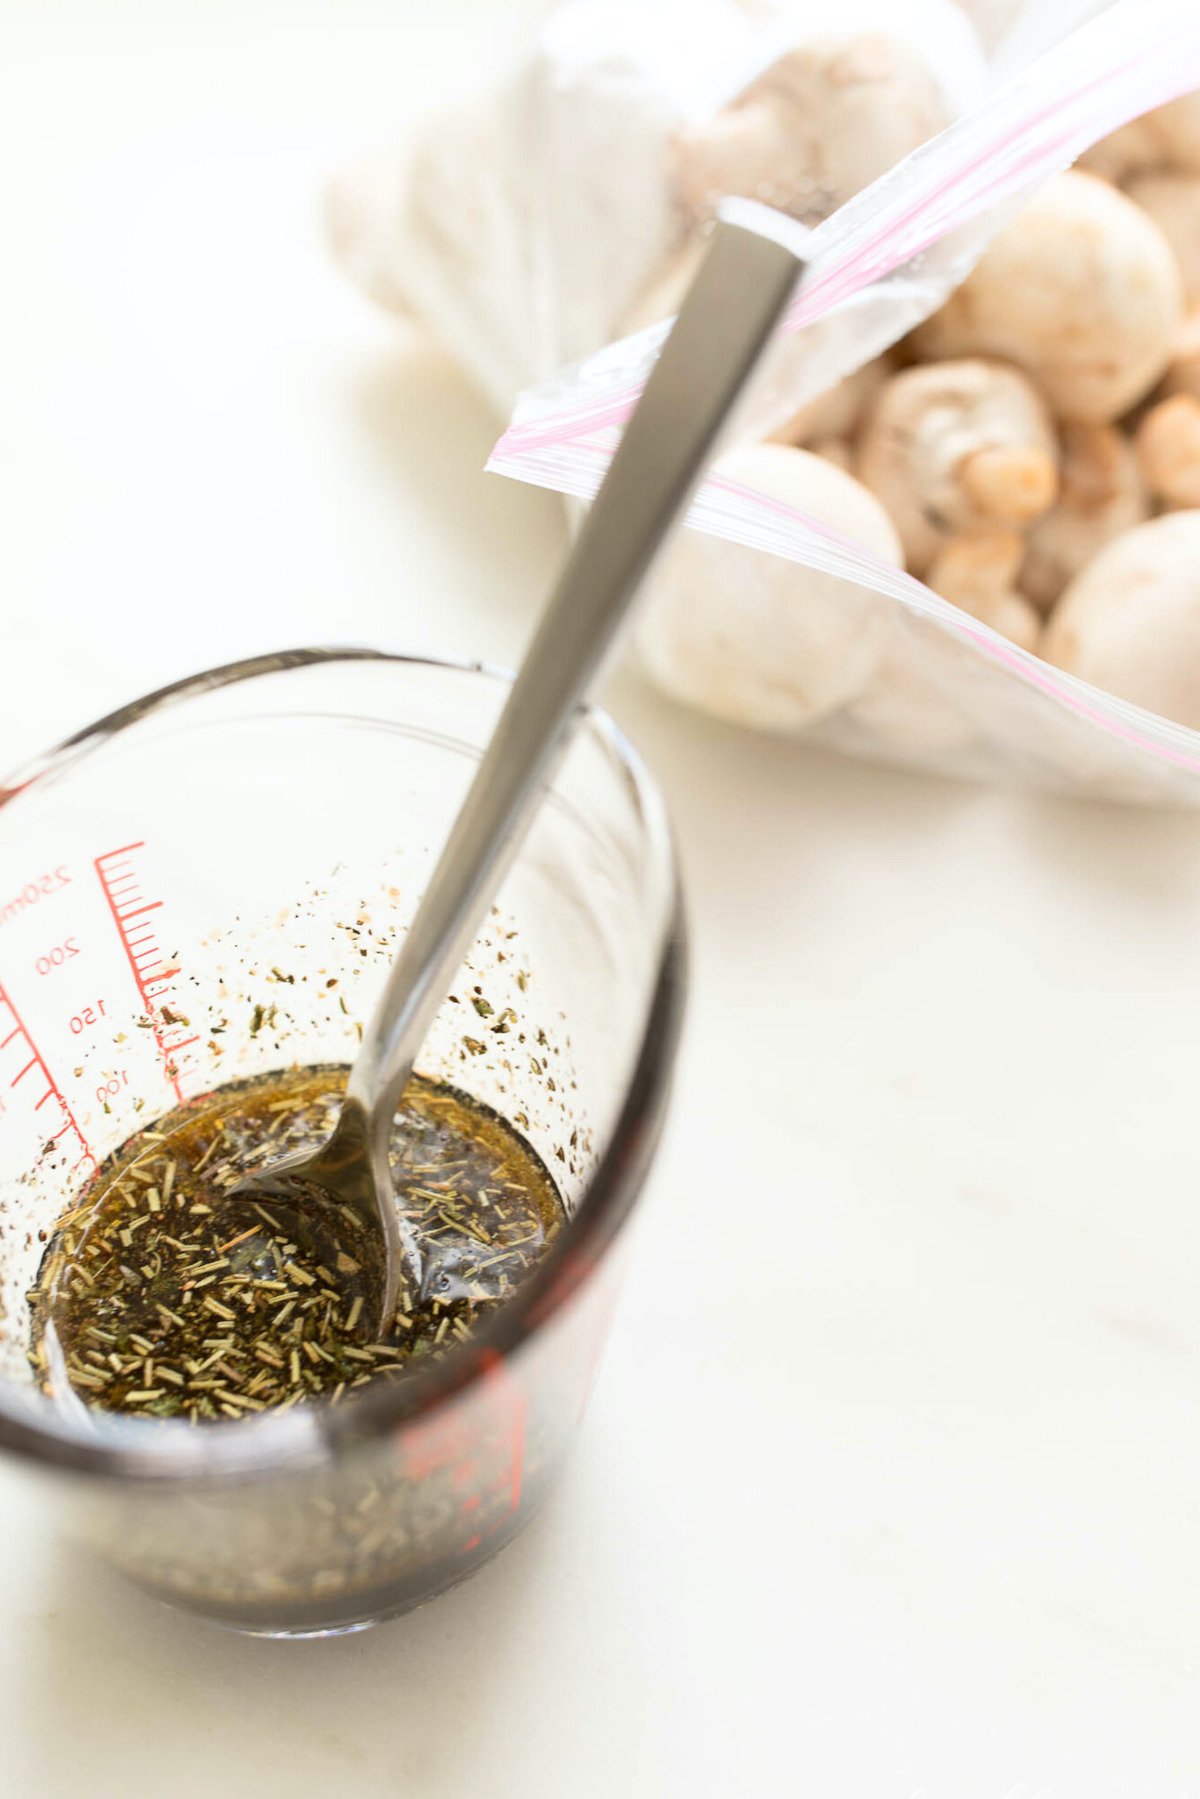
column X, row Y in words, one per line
column 891, row 1486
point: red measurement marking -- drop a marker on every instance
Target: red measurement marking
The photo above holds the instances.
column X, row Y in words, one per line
column 122, row 888
column 51, row 1086
column 511, row 1401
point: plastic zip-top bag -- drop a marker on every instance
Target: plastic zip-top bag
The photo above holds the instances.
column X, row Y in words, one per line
column 790, row 623
column 786, row 604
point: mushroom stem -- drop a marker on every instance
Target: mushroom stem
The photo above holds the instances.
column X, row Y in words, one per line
column 1011, row 484
column 978, row 574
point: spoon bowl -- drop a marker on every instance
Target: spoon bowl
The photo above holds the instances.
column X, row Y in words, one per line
column 338, row 1203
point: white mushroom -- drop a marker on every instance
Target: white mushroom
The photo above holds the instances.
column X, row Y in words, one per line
column 1168, row 137
column 815, row 128
column 1130, row 622
column 953, row 448
column 1101, row 495
column 1168, row 451
column 979, row 575
column 755, row 638
column 1081, row 289
column 1173, row 202
column 1130, row 150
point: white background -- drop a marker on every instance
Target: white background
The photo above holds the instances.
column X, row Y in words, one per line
column 891, row 1486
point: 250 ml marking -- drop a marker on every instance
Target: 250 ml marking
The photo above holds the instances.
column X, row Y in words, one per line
column 53, row 881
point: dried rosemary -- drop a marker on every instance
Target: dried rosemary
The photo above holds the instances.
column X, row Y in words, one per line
column 167, row 1299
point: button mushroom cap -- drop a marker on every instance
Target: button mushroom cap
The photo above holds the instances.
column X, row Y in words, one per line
column 958, row 447
column 1130, row 621
column 1167, row 445
column 1173, row 202
column 1124, row 152
column 1168, row 137
column 979, row 575
column 815, row 128
column 1081, row 289
column 755, row 638
column 1101, row 494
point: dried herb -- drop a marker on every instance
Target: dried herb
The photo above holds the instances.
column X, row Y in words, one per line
column 169, row 1299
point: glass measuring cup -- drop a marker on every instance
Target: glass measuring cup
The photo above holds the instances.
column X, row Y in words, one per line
column 208, row 885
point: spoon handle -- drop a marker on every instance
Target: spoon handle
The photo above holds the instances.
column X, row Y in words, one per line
column 738, row 296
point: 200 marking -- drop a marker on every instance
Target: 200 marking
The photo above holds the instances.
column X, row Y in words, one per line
column 62, row 952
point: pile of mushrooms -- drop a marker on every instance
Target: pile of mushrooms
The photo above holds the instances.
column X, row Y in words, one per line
column 1031, row 452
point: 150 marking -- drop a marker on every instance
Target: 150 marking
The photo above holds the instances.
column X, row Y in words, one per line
column 89, row 1016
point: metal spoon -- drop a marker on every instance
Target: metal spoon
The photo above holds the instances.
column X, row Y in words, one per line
column 738, row 296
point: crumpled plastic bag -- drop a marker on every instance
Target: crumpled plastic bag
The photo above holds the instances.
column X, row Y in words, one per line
column 521, row 223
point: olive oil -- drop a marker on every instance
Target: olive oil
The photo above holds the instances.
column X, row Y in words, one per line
column 161, row 1295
